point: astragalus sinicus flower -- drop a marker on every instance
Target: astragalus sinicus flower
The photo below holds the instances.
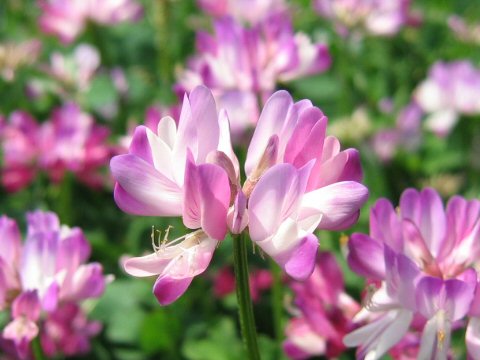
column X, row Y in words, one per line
column 70, row 141
column 251, row 11
column 43, row 277
column 66, row 19
column 323, row 312
column 377, row 17
column 450, row 90
column 242, row 65
column 298, row 180
column 424, row 258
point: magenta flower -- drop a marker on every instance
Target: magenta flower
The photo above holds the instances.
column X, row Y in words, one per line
column 424, row 257
column 71, row 141
column 42, row 276
column 251, row 11
column 377, row 17
column 66, row 19
column 451, row 89
column 242, row 64
column 298, row 180
column 325, row 313
column 19, row 141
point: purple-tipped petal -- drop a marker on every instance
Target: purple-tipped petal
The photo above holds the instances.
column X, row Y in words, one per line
column 365, row 256
column 142, row 190
column 339, row 204
column 302, row 261
column 275, row 197
column 167, row 290
column 206, row 199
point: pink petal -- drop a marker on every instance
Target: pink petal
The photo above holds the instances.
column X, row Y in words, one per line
column 167, row 290
column 275, row 197
column 365, row 256
column 339, row 204
column 206, row 199
column 142, row 190
column 302, row 261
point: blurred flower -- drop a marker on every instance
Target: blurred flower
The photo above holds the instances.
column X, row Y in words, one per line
column 66, row 19
column 406, row 134
column 19, row 143
column 224, row 282
column 16, row 55
column 191, row 171
column 42, row 279
column 463, row 31
column 451, row 89
column 69, row 142
column 243, row 65
column 325, row 313
column 425, row 259
column 251, row 11
column 377, row 17
column 75, row 72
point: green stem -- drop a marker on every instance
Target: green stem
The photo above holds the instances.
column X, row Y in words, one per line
column 277, row 301
column 245, row 309
column 37, row 349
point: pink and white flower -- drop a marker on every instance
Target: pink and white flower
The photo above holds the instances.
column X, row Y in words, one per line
column 250, row 11
column 377, row 17
column 243, row 65
column 42, row 275
column 450, row 90
column 424, row 258
column 324, row 312
column 66, row 19
column 298, row 180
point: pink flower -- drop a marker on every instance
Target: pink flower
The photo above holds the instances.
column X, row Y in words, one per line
column 46, row 272
column 71, row 141
column 325, row 312
column 192, row 172
column 76, row 71
column 242, row 65
column 67, row 18
column 251, row 11
column 406, row 134
column 424, row 257
column 377, row 17
column 19, row 140
column 451, row 89
column 67, row 331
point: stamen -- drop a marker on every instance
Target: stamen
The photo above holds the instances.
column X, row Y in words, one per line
column 367, row 302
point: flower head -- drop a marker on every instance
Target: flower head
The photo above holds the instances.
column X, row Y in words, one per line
column 424, row 258
column 43, row 276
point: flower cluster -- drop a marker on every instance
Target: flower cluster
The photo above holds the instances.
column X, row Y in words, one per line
column 249, row 11
column 69, row 141
column 423, row 260
column 450, row 90
column 43, row 282
column 66, row 19
column 377, row 17
column 242, row 65
column 324, row 312
column 298, row 180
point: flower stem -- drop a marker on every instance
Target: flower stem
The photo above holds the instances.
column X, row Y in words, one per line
column 245, row 309
column 37, row 349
